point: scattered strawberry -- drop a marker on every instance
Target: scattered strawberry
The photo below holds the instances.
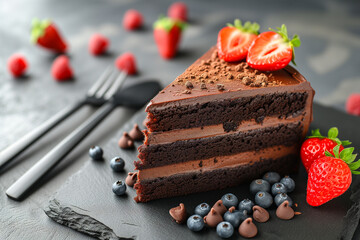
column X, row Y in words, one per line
column 315, row 146
column 132, row 20
column 126, row 62
column 330, row 176
column 17, row 65
column 353, row 104
column 98, row 44
column 60, row 69
column 178, row 11
column 46, row 35
column 234, row 40
column 272, row 50
column 167, row 34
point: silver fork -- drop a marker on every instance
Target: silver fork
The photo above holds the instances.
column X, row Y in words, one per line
column 98, row 94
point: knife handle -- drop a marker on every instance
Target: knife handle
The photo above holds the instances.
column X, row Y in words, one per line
column 17, row 189
column 26, row 141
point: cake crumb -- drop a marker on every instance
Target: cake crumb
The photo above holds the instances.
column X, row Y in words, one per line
column 189, row 85
column 203, row 86
column 187, row 92
column 220, row 87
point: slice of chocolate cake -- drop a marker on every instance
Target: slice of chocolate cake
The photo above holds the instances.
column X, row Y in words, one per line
column 220, row 124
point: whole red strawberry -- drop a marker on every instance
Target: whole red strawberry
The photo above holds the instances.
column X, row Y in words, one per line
column 60, row 69
column 17, row 65
column 167, row 34
column 315, row 147
column 126, row 62
column 272, row 50
column 132, row 20
column 98, row 44
column 45, row 34
column 234, row 40
column 330, row 176
column 178, row 10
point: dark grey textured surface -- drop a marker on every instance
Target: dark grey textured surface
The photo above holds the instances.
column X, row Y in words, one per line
column 89, row 192
column 328, row 57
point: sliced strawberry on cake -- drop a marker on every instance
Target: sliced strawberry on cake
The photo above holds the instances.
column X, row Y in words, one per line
column 272, row 50
column 234, row 40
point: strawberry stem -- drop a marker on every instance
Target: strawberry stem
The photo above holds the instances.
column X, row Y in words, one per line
column 38, row 28
column 294, row 42
column 332, row 135
column 347, row 156
column 247, row 27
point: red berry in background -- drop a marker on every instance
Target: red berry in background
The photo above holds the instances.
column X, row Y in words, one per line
column 61, row 69
column 353, row 104
column 315, row 146
column 17, row 65
column 126, row 62
column 234, row 40
column 272, row 50
column 98, row 44
column 167, row 35
column 132, row 20
column 178, row 10
column 45, row 34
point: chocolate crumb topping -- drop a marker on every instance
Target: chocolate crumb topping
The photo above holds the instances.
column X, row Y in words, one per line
column 220, row 87
column 203, row 86
column 189, row 85
column 211, row 81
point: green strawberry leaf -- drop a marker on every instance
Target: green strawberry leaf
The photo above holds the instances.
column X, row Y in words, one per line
column 345, row 143
column 248, row 27
column 336, row 151
column 294, row 42
column 167, row 24
column 347, row 156
column 354, row 165
column 328, row 154
column 333, row 132
column 38, row 28
column 355, row 172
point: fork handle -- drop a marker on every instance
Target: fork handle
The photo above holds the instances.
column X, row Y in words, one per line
column 58, row 153
column 26, row 141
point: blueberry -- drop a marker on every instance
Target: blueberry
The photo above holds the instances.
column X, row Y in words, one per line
column 224, row 230
column 263, row 199
column 119, row 187
column 202, row 209
column 235, row 217
column 271, row 177
column 259, row 185
column 229, row 200
column 289, row 183
column 96, row 152
column 281, row 197
column 195, row 223
column 247, row 205
column 278, row 188
column 117, row 164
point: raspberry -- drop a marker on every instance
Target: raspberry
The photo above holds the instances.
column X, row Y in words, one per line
column 132, row 20
column 98, row 44
column 17, row 65
column 353, row 104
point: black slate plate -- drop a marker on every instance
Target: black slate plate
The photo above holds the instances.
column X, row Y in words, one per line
column 86, row 203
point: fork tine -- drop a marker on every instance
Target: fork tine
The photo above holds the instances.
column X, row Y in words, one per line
column 97, row 85
column 116, row 85
column 107, row 84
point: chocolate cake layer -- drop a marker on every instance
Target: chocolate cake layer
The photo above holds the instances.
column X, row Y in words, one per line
column 229, row 112
column 183, row 184
column 196, row 149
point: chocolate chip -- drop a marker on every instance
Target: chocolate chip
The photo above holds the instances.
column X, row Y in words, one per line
column 220, row 87
column 178, row 213
column 126, row 141
column 189, row 85
column 284, row 211
column 136, row 133
column 248, row 229
column 213, row 218
column 131, row 179
column 260, row 214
